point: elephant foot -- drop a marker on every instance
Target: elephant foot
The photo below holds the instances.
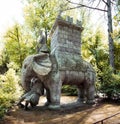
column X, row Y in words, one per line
column 54, row 107
column 90, row 102
column 80, row 101
column 47, row 104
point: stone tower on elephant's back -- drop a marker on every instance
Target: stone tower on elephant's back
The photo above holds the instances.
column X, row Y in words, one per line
column 66, row 43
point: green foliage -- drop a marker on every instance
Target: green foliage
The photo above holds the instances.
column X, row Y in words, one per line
column 18, row 45
column 9, row 90
column 116, row 31
column 117, row 19
column 21, row 41
column 94, row 50
column 4, row 59
column 40, row 14
column 110, row 84
column 69, row 90
column 117, row 55
column 5, row 103
column 116, row 37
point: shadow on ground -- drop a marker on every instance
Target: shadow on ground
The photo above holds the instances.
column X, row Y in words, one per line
column 70, row 113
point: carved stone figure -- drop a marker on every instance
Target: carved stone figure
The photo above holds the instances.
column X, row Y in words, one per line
column 63, row 65
column 42, row 46
column 46, row 68
column 33, row 95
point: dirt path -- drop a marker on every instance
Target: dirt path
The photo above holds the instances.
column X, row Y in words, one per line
column 68, row 114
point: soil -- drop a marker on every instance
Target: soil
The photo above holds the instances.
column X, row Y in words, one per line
column 69, row 113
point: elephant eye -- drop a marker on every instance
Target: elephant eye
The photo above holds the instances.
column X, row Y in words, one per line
column 25, row 66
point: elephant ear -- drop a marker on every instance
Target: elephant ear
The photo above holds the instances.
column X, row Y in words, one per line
column 42, row 64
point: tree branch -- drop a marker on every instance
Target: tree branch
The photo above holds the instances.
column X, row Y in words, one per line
column 72, row 8
column 98, row 3
column 113, row 2
column 104, row 2
column 82, row 5
column 9, row 36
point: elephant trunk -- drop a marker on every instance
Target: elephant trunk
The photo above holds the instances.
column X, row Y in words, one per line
column 26, row 80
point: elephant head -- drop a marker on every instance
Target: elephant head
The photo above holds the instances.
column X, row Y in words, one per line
column 42, row 64
column 30, row 68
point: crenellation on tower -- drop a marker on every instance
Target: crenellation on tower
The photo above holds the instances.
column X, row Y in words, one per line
column 66, row 40
column 67, row 35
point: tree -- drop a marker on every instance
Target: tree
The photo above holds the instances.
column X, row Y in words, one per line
column 39, row 15
column 16, row 45
column 117, row 56
column 94, row 50
column 116, row 37
column 9, row 90
column 109, row 15
column 110, row 31
column 4, row 59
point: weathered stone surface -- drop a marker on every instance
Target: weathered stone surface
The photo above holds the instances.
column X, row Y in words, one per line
column 65, row 45
column 63, row 34
column 32, row 96
column 45, row 65
column 64, row 65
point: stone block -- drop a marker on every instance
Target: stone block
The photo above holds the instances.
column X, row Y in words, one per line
column 66, row 39
column 79, row 23
column 69, row 19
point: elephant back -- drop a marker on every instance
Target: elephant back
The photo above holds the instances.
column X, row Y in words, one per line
column 71, row 62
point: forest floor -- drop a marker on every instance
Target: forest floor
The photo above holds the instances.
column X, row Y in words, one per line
column 70, row 113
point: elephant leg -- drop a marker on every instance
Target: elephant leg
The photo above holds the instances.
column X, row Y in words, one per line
column 48, row 97
column 81, row 94
column 55, row 94
column 90, row 94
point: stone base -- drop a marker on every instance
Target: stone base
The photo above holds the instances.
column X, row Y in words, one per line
column 54, row 107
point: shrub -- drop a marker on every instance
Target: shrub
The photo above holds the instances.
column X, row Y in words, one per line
column 69, row 90
column 8, row 90
column 5, row 103
column 110, row 84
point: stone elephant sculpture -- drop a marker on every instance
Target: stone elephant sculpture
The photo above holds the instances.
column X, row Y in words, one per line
column 46, row 68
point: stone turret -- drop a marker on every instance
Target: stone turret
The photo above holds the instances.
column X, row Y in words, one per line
column 66, row 42
column 66, row 36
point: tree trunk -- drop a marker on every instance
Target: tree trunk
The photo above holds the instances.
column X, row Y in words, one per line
column 110, row 40
column 18, row 40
